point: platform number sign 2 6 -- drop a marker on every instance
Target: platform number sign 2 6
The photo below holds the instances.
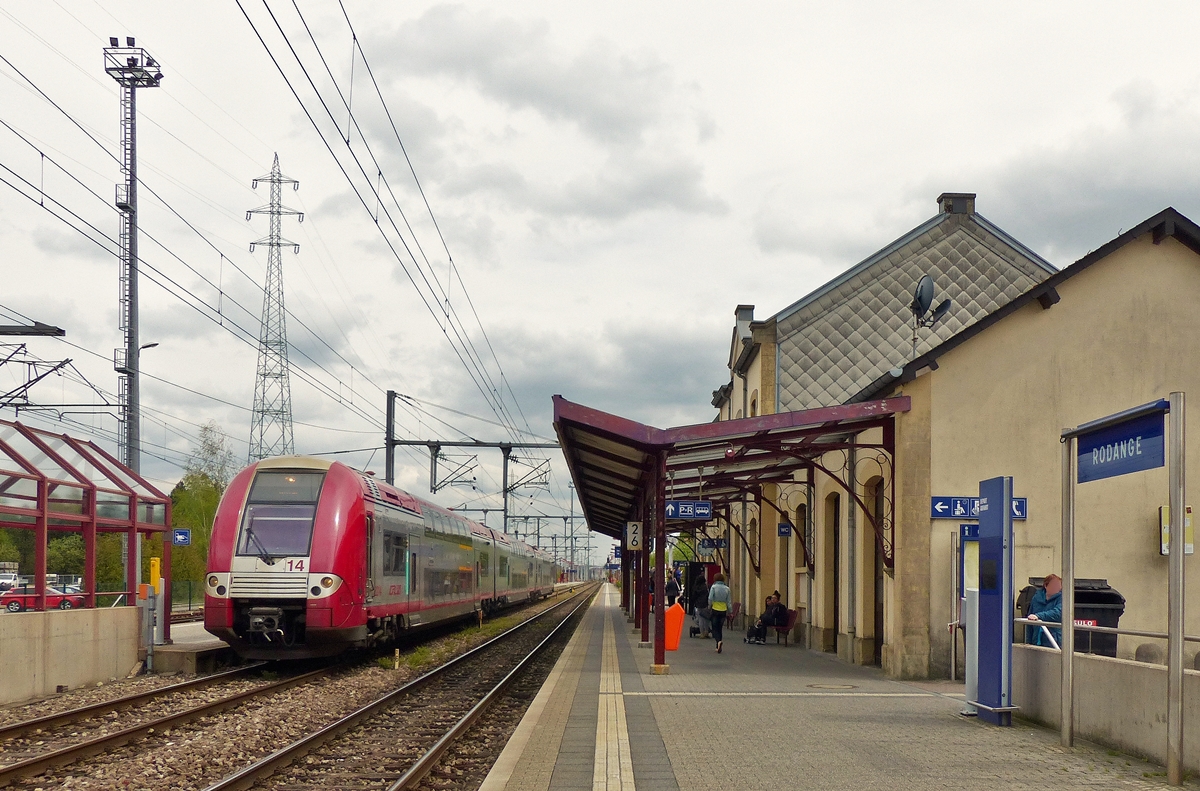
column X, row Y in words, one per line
column 633, row 535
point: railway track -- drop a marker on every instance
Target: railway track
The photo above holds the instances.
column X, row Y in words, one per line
column 34, row 746
column 396, row 740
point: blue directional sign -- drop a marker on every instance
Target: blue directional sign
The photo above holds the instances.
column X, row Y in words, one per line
column 689, row 509
column 181, row 537
column 616, row 552
column 709, row 544
column 968, row 507
column 1132, row 446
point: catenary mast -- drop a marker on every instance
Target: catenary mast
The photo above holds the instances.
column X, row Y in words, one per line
column 271, row 419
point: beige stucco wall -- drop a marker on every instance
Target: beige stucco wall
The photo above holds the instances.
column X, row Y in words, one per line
column 41, row 650
column 1125, row 332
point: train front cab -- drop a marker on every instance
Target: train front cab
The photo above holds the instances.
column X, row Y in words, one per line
column 286, row 577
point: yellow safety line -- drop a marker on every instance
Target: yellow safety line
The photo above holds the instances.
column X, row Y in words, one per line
column 613, row 767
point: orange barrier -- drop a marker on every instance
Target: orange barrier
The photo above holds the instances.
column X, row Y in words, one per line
column 674, row 626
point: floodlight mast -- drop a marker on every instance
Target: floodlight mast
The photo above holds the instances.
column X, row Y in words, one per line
column 132, row 68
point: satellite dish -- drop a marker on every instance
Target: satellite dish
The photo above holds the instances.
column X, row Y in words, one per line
column 940, row 311
column 923, row 296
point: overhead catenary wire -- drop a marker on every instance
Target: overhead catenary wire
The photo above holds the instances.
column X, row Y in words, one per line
column 475, row 363
column 476, row 373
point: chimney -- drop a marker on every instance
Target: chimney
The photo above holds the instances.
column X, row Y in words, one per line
column 956, row 203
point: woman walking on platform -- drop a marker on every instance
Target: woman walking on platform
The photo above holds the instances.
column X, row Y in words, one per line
column 719, row 601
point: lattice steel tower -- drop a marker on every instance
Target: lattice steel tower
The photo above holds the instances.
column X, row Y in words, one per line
column 132, row 68
column 271, row 421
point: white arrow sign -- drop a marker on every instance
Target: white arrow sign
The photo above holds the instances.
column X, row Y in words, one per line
column 940, row 507
column 670, row 509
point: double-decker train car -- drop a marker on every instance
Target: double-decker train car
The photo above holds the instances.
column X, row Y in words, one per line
column 310, row 557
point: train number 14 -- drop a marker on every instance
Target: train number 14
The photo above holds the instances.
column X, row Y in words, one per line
column 295, row 565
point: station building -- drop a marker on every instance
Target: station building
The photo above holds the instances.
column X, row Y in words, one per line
column 1025, row 352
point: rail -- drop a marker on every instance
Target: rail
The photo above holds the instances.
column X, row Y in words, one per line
column 40, row 763
column 245, row 778
column 128, row 701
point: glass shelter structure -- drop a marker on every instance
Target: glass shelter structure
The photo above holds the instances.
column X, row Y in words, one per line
column 55, row 482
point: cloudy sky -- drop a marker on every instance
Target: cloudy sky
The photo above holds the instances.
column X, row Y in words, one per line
column 609, row 179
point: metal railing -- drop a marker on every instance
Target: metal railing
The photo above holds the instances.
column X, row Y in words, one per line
column 1047, row 625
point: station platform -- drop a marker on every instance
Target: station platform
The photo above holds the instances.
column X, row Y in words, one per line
column 192, row 650
column 769, row 717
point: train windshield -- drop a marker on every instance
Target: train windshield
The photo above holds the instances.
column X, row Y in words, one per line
column 279, row 514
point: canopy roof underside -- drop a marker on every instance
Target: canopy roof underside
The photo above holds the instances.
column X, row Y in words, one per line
column 612, row 458
column 82, row 483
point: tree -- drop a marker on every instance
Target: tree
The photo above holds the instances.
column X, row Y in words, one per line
column 9, row 551
column 65, row 554
column 195, row 498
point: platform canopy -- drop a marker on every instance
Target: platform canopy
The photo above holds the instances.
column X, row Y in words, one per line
column 612, row 459
column 57, row 482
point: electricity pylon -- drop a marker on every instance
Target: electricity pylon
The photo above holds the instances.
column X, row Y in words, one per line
column 271, row 420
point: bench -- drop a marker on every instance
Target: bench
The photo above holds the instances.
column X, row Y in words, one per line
column 786, row 630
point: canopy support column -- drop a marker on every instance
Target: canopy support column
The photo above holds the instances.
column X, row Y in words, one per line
column 41, row 536
column 660, row 561
column 89, row 550
column 168, row 542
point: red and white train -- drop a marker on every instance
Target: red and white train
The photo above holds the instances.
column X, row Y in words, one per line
column 310, row 557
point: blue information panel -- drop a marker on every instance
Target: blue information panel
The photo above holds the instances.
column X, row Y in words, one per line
column 616, row 552
column 714, row 543
column 1132, row 446
column 689, row 509
column 785, row 530
column 181, row 537
column 968, row 507
column 995, row 599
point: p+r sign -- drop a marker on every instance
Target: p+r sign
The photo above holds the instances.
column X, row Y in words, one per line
column 968, row 507
column 688, row 509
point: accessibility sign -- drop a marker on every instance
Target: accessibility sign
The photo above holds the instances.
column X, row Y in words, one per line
column 181, row 537
column 709, row 544
column 689, row 509
column 968, row 507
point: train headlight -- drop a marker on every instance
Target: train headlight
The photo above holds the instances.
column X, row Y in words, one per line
column 326, row 582
column 212, row 581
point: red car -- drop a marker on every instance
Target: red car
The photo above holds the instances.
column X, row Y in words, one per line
column 24, row 599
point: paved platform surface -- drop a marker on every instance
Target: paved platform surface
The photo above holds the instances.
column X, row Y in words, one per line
column 770, row 717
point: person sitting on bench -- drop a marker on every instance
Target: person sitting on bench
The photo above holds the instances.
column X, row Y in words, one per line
column 775, row 614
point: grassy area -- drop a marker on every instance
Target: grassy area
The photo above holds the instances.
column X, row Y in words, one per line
column 439, row 651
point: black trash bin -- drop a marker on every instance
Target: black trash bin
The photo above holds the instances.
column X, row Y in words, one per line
column 1096, row 604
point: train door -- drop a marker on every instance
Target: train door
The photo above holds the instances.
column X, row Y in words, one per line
column 371, row 556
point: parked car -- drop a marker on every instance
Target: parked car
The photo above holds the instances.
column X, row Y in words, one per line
column 25, row 599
